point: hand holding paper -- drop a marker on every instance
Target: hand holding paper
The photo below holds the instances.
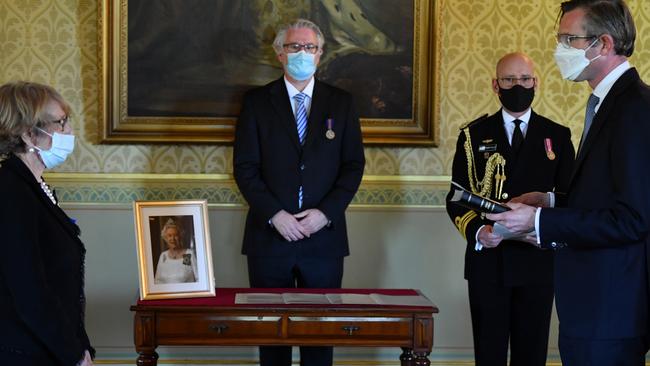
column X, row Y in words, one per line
column 519, row 220
column 489, row 237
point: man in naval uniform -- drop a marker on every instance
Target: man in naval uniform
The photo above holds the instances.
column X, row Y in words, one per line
column 499, row 157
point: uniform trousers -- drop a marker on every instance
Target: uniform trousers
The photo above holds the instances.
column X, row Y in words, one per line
column 515, row 315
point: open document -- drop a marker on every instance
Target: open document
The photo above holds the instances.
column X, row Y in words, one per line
column 333, row 299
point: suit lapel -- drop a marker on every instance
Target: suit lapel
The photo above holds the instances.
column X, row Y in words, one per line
column 602, row 116
column 280, row 102
column 318, row 112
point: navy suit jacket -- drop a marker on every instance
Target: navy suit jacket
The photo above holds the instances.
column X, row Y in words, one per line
column 511, row 263
column 270, row 165
column 601, row 275
column 41, row 275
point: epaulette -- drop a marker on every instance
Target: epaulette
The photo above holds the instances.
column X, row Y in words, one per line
column 471, row 123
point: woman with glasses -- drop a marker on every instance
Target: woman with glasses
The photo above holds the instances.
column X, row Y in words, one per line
column 42, row 267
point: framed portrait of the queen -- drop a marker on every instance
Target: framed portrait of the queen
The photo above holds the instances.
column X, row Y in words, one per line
column 174, row 251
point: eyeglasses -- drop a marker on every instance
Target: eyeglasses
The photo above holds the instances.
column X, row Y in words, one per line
column 297, row 47
column 62, row 122
column 566, row 40
column 509, row 82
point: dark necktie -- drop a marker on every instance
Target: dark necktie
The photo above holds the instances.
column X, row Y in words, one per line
column 517, row 137
column 590, row 112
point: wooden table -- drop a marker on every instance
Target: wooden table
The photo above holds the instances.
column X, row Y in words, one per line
column 219, row 321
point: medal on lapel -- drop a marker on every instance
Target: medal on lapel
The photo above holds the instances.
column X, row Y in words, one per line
column 330, row 133
column 548, row 145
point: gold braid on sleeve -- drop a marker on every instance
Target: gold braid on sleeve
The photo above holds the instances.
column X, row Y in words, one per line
column 494, row 167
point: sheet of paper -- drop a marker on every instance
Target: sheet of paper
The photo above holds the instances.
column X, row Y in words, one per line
column 258, row 298
column 304, row 298
column 357, row 299
column 401, row 300
column 507, row 234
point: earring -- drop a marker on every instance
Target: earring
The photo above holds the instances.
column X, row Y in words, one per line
column 31, row 150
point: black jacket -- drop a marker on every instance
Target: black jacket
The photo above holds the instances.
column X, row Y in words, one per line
column 41, row 275
column 511, row 263
column 604, row 221
column 270, row 165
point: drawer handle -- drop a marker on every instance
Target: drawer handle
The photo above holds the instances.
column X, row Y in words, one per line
column 350, row 328
column 219, row 328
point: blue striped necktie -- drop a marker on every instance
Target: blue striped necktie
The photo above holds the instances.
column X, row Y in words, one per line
column 301, row 123
column 301, row 116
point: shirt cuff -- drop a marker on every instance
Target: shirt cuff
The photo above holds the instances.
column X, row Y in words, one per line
column 537, row 214
column 478, row 246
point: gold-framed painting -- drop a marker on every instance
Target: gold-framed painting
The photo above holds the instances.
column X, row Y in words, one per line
column 174, row 251
column 175, row 71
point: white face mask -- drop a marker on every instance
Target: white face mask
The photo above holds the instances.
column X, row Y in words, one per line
column 572, row 61
column 62, row 146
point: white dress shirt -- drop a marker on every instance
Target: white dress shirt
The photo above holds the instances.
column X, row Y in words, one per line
column 309, row 90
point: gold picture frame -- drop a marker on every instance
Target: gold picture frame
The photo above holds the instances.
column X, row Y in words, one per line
column 174, row 251
column 413, row 121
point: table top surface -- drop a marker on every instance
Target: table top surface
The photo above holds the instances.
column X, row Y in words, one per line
column 225, row 298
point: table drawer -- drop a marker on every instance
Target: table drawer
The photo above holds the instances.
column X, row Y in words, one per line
column 352, row 327
column 210, row 326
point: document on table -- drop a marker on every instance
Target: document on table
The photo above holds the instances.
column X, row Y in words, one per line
column 258, row 298
column 334, row 299
column 304, row 298
column 416, row 300
column 356, row 299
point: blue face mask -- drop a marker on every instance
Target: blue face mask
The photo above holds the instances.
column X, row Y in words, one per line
column 62, row 146
column 301, row 65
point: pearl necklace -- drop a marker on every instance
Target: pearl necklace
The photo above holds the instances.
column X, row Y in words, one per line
column 48, row 192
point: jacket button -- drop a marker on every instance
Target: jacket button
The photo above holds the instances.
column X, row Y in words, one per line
column 504, row 196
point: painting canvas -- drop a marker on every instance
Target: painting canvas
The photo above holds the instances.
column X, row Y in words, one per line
column 180, row 67
column 174, row 255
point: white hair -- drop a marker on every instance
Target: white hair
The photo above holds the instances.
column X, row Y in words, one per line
column 299, row 23
column 170, row 224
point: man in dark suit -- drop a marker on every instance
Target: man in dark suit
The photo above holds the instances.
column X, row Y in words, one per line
column 298, row 161
column 510, row 285
column 601, row 233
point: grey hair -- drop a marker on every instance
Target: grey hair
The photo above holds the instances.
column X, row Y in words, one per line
column 297, row 24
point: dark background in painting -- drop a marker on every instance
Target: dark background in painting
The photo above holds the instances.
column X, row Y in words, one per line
column 197, row 57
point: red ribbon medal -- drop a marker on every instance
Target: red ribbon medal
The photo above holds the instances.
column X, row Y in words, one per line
column 548, row 144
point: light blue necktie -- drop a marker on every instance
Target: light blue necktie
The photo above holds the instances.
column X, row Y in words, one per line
column 301, row 123
column 590, row 112
column 301, row 116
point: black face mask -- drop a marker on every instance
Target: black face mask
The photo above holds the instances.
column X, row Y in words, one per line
column 516, row 99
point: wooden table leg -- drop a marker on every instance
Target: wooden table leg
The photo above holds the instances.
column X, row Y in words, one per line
column 422, row 359
column 406, row 358
column 147, row 359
